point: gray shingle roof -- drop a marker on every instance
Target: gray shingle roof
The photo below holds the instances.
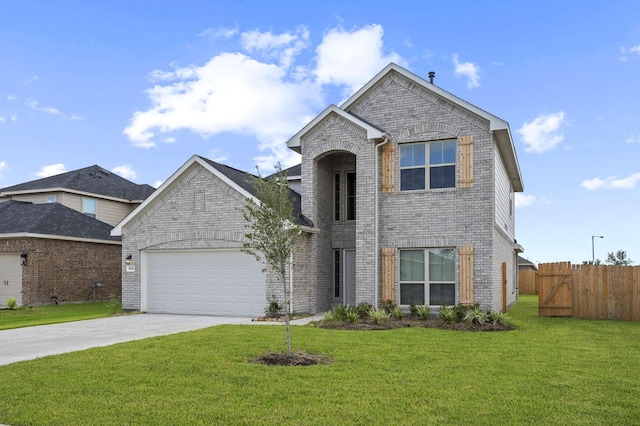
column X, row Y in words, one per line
column 51, row 219
column 243, row 179
column 93, row 179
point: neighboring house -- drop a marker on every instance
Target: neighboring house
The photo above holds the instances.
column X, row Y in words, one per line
column 55, row 242
column 407, row 196
column 526, row 265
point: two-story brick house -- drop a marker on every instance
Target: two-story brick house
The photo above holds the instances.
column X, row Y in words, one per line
column 55, row 241
column 406, row 195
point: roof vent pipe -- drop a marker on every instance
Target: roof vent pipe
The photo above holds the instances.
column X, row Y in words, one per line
column 432, row 75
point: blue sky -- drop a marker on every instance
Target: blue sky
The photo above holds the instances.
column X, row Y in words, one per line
column 139, row 87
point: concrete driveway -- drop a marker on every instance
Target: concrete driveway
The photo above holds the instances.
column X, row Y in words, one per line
column 27, row 343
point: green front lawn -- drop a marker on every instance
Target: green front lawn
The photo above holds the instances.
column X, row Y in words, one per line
column 558, row 371
column 50, row 314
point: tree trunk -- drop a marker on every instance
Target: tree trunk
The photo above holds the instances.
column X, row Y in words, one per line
column 287, row 306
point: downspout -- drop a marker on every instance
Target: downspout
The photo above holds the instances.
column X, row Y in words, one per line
column 385, row 139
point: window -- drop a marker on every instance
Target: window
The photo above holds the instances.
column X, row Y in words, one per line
column 427, row 277
column 52, row 199
column 89, row 207
column 336, row 196
column 337, row 272
column 351, row 196
column 418, row 173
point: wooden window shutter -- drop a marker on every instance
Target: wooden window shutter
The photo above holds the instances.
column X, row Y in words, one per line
column 388, row 275
column 466, row 275
column 388, row 169
column 465, row 147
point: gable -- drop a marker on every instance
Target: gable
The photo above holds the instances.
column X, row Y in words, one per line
column 397, row 101
column 329, row 116
column 201, row 186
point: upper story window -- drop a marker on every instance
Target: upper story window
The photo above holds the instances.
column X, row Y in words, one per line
column 428, row 165
column 89, row 206
column 336, row 196
column 52, row 199
column 351, row 196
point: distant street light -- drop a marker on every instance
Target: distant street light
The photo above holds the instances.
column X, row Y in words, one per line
column 593, row 252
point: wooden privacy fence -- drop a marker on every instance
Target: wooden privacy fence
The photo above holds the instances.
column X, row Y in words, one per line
column 527, row 282
column 588, row 291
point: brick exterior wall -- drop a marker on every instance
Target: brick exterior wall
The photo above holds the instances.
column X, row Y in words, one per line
column 66, row 269
column 201, row 211
column 418, row 219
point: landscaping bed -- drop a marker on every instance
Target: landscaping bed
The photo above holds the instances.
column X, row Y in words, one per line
column 414, row 322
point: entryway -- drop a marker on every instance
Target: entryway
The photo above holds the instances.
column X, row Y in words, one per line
column 349, row 277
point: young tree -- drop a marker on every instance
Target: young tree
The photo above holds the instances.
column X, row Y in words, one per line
column 618, row 258
column 272, row 230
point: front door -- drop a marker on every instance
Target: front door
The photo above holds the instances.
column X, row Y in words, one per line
column 350, row 277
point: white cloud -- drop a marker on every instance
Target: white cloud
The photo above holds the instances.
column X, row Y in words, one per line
column 11, row 97
column 467, row 69
column 613, row 182
column 627, row 52
column 157, row 183
column 542, row 134
column 217, row 156
column 283, row 47
column 126, row 171
column 260, row 94
column 224, row 32
column 3, row 166
column 75, row 117
column 522, row 200
column 32, row 79
column 633, row 139
column 51, row 170
column 34, row 105
column 2, row 119
column 13, row 117
column 349, row 59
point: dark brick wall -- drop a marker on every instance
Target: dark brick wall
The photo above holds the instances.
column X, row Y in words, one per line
column 66, row 269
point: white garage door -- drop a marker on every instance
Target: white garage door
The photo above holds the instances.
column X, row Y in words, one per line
column 10, row 278
column 204, row 282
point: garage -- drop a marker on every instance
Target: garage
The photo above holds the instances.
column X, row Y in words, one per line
column 10, row 278
column 203, row 282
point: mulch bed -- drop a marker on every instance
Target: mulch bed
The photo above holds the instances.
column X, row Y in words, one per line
column 291, row 360
column 413, row 322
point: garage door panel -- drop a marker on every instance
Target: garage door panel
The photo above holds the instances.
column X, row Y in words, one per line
column 205, row 282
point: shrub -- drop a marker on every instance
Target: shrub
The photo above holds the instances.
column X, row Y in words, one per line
column 389, row 306
column 328, row 316
column 114, row 304
column 413, row 310
column 397, row 312
column 476, row 315
column 352, row 316
column 12, row 303
column 340, row 312
column 496, row 317
column 423, row 312
column 363, row 309
column 460, row 312
column 447, row 314
column 379, row 316
column 273, row 309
